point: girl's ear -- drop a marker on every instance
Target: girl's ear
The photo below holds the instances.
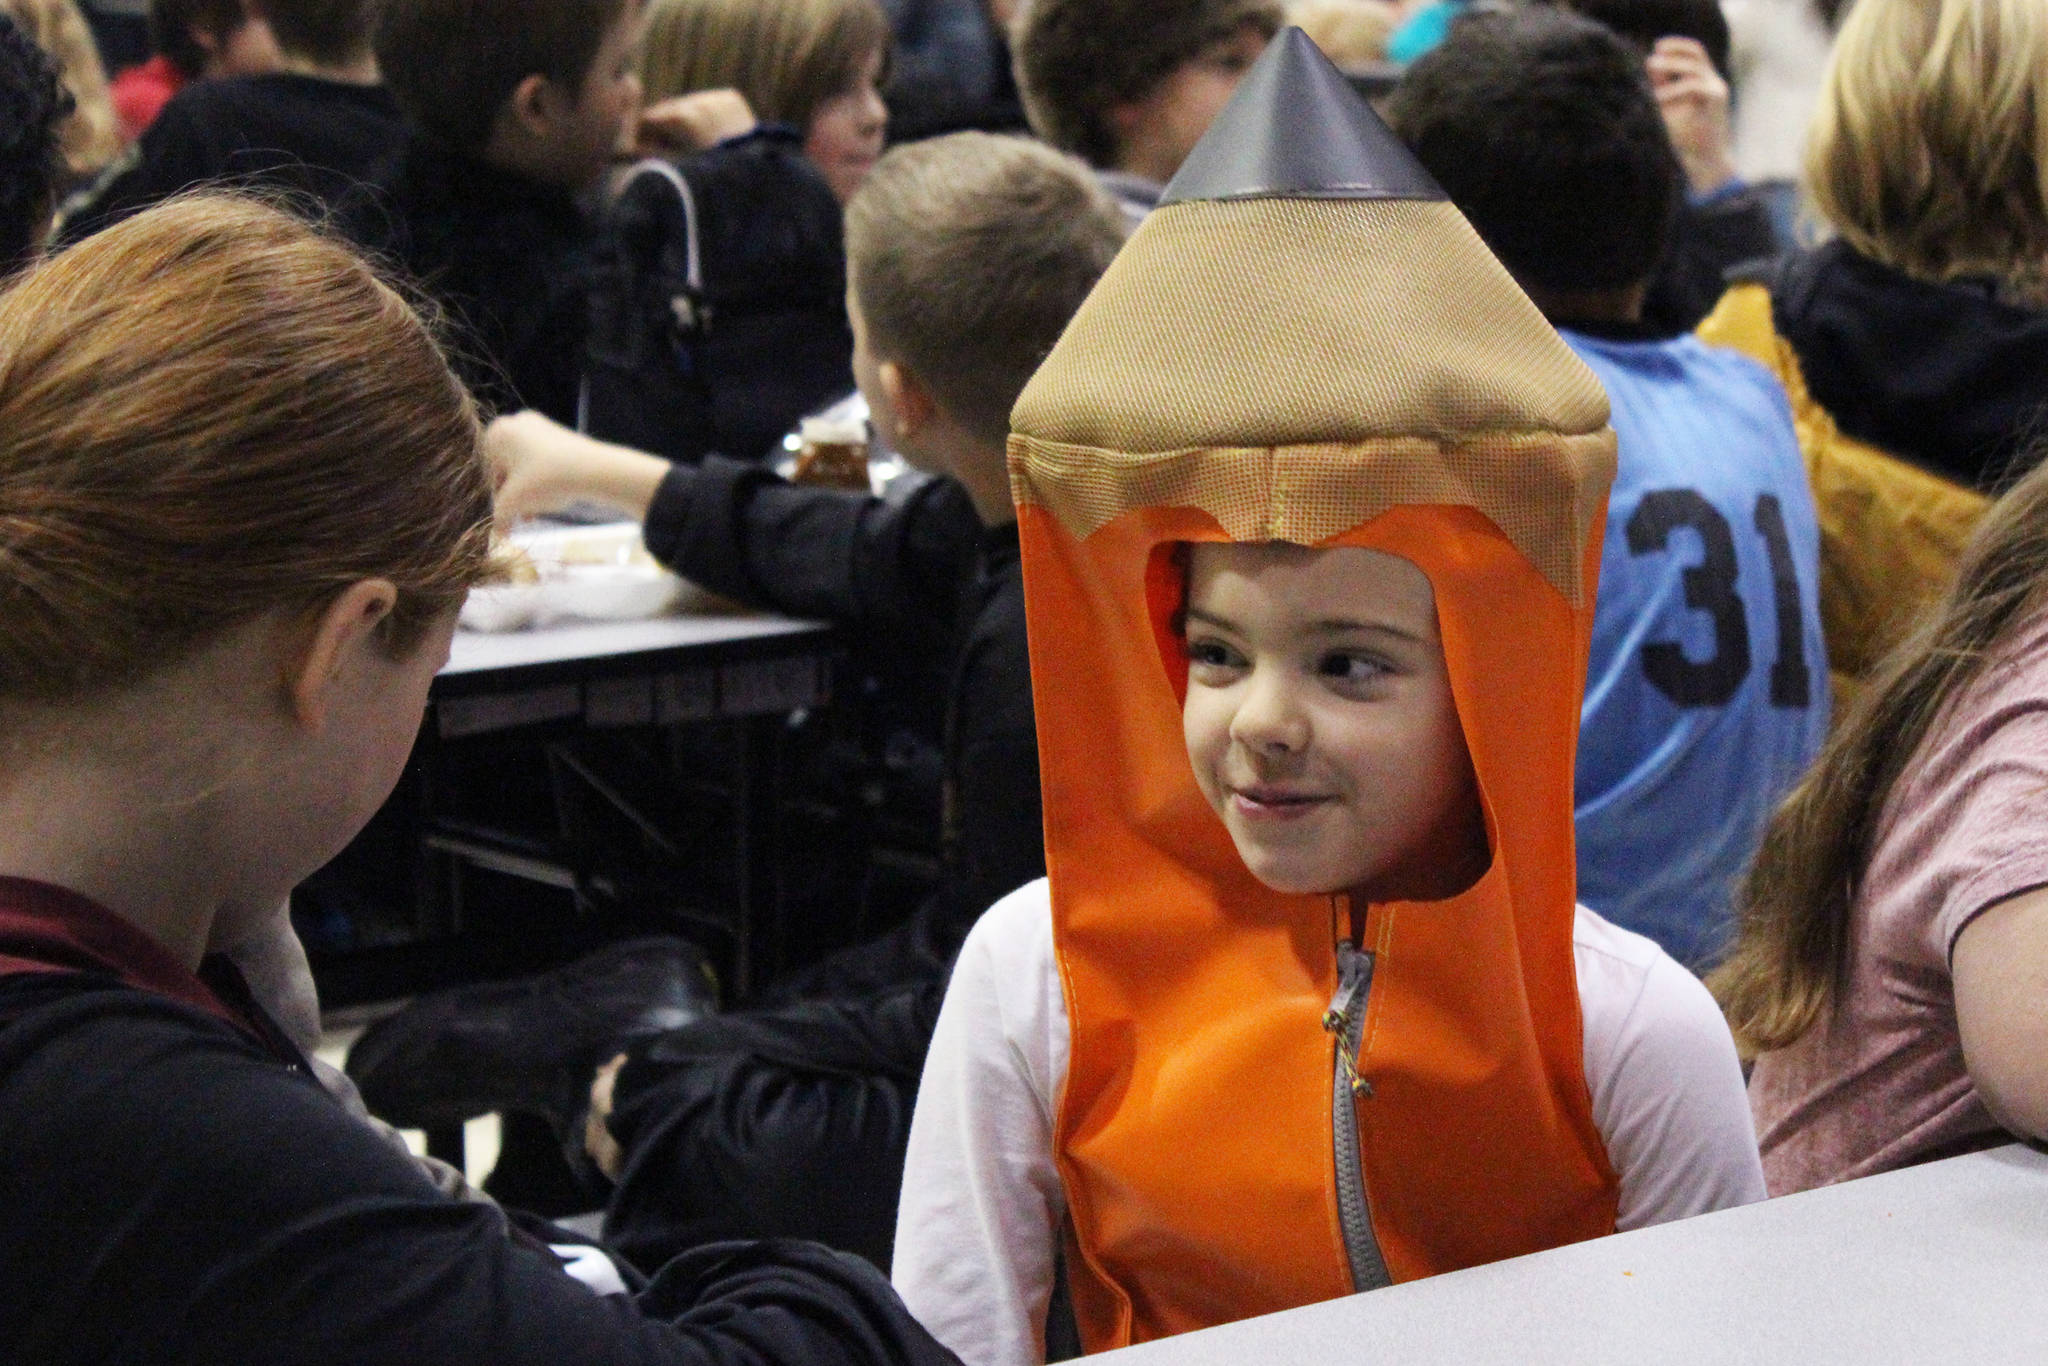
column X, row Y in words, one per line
column 340, row 632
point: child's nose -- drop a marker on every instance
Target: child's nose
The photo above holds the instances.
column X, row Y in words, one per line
column 1269, row 718
column 874, row 112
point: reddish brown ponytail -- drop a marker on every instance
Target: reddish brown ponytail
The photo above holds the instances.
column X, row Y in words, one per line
column 209, row 412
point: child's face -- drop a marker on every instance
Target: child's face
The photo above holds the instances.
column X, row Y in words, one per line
column 248, row 49
column 844, row 139
column 608, row 97
column 1320, row 722
column 1159, row 129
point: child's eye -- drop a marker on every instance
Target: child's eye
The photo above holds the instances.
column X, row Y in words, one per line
column 1213, row 655
column 1344, row 666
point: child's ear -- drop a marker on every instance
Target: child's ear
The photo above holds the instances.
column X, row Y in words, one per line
column 909, row 398
column 534, row 105
column 338, row 633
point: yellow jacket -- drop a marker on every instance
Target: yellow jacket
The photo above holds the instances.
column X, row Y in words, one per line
column 1890, row 532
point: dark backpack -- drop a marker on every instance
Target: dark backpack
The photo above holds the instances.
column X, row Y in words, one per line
column 718, row 306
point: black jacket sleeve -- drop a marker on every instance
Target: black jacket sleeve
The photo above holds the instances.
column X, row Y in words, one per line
column 171, row 1194
column 889, row 572
column 1707, row 242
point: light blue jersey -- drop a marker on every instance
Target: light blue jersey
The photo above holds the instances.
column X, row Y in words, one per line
column 1707, row 690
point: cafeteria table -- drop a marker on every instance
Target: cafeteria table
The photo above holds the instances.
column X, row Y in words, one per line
column 548, row 690
column 1946, row 1262
column 750, row 669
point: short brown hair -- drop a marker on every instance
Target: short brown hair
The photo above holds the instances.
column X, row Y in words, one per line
column 330, row 32
column 452, row 64
column 1077, row 58
column 208, row 413
column 969, row 254
column 786, row 56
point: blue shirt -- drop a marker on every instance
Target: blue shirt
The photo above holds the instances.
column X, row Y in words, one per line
column 1707, row 686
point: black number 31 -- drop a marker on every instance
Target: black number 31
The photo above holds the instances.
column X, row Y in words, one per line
column 1710, row 588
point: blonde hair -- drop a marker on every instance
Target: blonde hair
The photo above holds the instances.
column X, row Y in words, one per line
column 1350, row 32
column 969, row 254
column 1929, row 149
column 91, row 136
column 786, row 56
column 208, row 413
column 1792, row 950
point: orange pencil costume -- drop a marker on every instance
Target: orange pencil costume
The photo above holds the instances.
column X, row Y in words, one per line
column 1307, row 343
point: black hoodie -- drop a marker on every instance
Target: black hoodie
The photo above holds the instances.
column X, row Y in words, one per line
column 1946, row 375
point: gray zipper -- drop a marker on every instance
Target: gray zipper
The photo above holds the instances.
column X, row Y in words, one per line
column 1346, row 1020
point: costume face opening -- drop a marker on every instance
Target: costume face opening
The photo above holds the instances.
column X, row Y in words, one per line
column 1321, row 725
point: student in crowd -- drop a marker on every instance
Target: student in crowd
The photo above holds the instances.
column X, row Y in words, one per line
column 1706, row 694
column 33, row 103
column 91, row 136
column 193, row 40
column 816, row 66
column 1914, row 343
column 1129, row 86
column 1723, row 222
column 241, row 497
column 313, row 129
column 1887, row 976
column 1305, row 1006
column 969, row 254
column 514, row 107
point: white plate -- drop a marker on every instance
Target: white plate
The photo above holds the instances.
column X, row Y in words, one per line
column 582, row 573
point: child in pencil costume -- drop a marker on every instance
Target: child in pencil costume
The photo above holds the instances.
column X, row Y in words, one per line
column 1221, row 1098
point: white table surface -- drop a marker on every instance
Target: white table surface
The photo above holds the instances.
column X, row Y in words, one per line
column 478, row 652
column 1942, row 1263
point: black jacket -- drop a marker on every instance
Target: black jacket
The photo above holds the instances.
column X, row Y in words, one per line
column 1708, row 240
column 175, row 1187
column 918, row 579
column 1947, row 376
column 317, row 141
column 792, row 1117
column 507, row 257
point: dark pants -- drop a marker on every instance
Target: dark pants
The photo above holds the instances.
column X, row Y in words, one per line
column 785, row 1120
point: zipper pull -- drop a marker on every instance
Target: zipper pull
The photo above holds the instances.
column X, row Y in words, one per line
column 1354, row 971
column 1337, row 1018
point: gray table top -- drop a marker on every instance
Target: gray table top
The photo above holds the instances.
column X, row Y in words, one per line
column 1945, row 1262
column 476, row 652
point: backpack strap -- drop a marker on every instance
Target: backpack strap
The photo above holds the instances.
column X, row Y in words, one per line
column 688, row 308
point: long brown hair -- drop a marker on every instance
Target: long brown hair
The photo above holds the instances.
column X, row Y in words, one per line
column 1791, row 952
column 208, row 413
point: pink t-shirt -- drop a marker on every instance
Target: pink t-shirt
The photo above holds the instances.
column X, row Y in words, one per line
column 1881, row 1083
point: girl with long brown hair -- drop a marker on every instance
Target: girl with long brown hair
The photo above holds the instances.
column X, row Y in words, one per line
column 241, row 498
column 1891, row 965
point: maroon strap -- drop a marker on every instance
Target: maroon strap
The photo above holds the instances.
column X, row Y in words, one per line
column 46, row 929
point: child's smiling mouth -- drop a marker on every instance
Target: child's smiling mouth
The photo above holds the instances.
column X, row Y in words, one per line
column 1265, row 802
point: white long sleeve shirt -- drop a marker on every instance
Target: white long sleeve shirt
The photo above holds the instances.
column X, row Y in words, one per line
column 982, row 1208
